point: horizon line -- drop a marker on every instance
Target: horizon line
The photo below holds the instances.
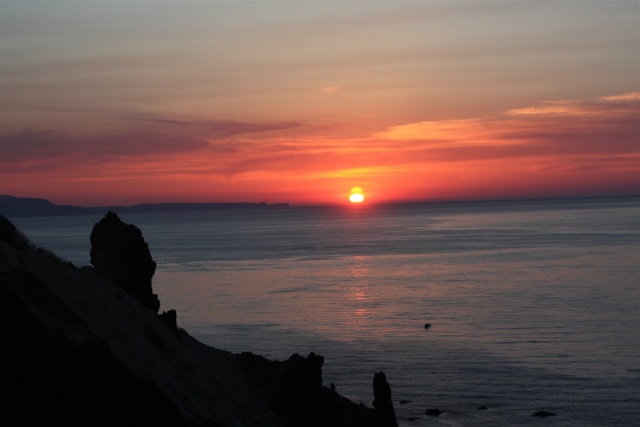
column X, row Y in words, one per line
column 363, row 205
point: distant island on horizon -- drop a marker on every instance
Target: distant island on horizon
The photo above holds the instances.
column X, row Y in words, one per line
column 12, row 206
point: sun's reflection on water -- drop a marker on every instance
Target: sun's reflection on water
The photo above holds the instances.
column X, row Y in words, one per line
column 358, row 313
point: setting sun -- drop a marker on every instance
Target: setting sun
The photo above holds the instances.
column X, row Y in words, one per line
column 356, row 195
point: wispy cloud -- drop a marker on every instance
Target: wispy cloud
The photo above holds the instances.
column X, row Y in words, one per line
column 630, row 96
column 137, row 137
column 608, row 125
column 330, row 90
column 553, row 108
column 466, row 131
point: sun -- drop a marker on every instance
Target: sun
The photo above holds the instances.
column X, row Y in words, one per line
column 356, row 195
column 356, row 198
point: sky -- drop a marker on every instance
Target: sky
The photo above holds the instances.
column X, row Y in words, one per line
column 122, row 102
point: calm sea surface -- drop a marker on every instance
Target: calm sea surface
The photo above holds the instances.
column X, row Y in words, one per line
column 533, row 305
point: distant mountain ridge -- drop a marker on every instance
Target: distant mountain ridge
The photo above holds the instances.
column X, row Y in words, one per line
column 11, row 206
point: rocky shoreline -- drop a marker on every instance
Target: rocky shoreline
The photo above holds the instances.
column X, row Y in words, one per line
column 87, row 345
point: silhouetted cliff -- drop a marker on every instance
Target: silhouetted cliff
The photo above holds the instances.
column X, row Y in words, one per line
column 80, row 350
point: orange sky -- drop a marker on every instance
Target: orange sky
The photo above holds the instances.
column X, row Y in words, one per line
column 129, row 102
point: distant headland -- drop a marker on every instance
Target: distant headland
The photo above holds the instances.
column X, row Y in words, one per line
column 11, row 206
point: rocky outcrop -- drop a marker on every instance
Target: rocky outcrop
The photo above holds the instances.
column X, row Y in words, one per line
column 294, row 390
column 80, row 350
column 119, row 252
column 170, row 318
column 385, row 414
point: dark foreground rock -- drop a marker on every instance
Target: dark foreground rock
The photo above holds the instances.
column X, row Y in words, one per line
column 119, row 252
column 293, row 390
column 382, row 402
column 79, row 350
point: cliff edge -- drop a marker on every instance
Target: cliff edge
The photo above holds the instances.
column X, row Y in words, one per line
column 80, row 349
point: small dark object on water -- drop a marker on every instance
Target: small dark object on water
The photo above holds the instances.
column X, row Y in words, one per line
column 404, row 401
column 544, row 414
column 482, row 408
column 412, row 418
column 427, row 325
column 434, row 412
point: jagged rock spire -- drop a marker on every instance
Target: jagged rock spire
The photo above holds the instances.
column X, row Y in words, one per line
column 119, row 252
column 385, row 414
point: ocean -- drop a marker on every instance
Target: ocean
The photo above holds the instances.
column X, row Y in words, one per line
column 533, row 305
